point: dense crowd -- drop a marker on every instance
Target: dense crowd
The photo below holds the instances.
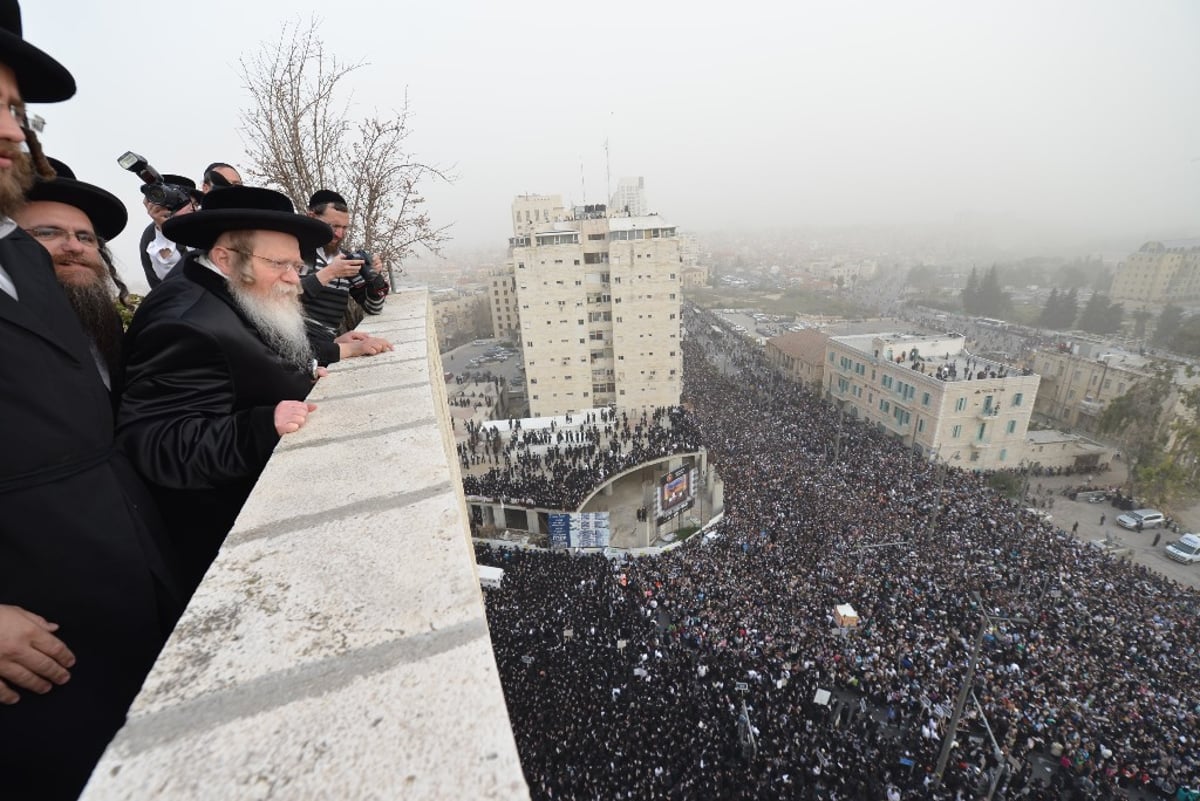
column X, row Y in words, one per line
column 557, row 467
column 621, row 676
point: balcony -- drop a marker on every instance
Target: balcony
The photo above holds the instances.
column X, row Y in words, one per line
column 337, row 647
column 1091, row 407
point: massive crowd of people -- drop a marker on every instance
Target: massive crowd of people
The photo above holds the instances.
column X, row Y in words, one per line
column 622, row 677
column 557, row 467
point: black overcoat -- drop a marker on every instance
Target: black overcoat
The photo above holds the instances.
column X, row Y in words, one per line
column 76, row 535
column 197, row 413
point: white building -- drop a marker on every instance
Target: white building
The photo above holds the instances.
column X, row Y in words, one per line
column 599, row 308
column 935, row 396
column 630, row 197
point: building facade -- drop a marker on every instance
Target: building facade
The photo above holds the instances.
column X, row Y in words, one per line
column 799, row 356
column 502, row 297
column 599, row 302
column 1079, row 382
column 1160, row 273
column 927, row 391
column 630, row 197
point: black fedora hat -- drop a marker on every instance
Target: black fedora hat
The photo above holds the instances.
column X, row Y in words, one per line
column 104, row 209
column 40, row 78
column 245, row 208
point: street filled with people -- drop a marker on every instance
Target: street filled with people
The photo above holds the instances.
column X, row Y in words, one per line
column 579, row 457
column 626, row 678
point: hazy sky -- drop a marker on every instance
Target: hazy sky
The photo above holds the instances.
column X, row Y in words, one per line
column 1081, row 115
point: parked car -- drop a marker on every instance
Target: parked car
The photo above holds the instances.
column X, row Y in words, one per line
column 1149, row 518
column 1186, row 549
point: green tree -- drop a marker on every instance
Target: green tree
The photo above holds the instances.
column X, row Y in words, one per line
column 1101, row 315
column 970, row 294
column 1140, row 318
column 1169, row 320
column 1050, row 311
column 1186, row 340
column 1136, row 420
column 993, row 301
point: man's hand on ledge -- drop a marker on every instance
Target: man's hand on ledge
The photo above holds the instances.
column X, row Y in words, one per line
column 290, row 416
column 357, row 343
column 31, row 657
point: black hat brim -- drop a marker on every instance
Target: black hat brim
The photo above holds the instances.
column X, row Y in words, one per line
column 201, row 229
column 40, row 78
column 104, row 209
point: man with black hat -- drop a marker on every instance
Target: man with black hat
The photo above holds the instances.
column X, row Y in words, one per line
column 218, row 364
column 159, row 254
column 85, row 599
column 332, row 278
column 74, row 220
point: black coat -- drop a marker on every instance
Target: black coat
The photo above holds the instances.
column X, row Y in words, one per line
column 75, row 544
column 197, row 416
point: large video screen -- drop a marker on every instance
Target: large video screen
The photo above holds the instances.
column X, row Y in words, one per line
column 675, row 491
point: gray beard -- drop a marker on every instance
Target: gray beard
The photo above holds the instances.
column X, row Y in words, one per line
column 279, row 319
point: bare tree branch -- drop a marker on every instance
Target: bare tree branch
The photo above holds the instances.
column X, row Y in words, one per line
column 302, row 136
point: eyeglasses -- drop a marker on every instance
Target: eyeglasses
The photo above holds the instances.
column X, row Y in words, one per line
column 22, row 119
column 279, row 265
column 51, row 233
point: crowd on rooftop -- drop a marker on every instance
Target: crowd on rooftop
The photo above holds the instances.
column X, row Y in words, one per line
column 621, row 676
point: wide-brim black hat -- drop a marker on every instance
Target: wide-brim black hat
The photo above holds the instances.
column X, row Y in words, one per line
column 245, row 208
column 40, row 78
column 104, row 209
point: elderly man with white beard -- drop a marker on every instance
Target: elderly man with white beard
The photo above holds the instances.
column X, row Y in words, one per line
column 218, row 365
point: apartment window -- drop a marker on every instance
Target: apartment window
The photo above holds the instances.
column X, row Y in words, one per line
column 1012, row 427
column 581, row 322
column 982, row 431
column 920, row 426
column 925, row 399
column 1017, row 398
column 955, row 432
column 960, row 405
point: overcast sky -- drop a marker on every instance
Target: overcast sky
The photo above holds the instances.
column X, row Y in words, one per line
column 739, row 115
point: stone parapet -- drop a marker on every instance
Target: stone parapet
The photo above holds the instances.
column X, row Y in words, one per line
column 338, row 646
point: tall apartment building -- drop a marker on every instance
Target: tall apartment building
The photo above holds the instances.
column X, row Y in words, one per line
column 599, row 309
column 927, row 391
column 1160, row 273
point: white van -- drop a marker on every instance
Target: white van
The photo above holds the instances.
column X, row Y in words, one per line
column 1186, row 550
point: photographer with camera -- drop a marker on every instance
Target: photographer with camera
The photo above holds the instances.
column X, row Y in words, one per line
column 164, row 196
column 332, row 278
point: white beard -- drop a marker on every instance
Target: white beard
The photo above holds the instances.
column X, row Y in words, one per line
column 279, row 318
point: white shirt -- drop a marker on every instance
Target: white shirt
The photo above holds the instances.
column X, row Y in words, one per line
column 162, row 265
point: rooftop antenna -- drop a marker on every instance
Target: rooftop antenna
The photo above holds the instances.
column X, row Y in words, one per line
column 607, row 173
column 582, row 183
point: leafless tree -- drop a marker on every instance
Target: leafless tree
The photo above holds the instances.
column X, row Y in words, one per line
column 301, row 135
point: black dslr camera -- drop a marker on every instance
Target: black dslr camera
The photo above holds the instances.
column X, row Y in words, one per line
column 376, row 284
column 156, row 190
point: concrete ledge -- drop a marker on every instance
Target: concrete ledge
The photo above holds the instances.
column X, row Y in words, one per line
column 338, row 646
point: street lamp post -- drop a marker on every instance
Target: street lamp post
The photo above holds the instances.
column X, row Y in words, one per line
column 964, row 690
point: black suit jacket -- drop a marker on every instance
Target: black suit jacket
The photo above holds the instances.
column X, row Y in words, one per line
column 76, row 539
column 197, row 415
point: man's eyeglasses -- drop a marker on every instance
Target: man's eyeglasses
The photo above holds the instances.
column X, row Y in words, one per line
column 51, row 233
column 27, row 123
column 279, row 265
